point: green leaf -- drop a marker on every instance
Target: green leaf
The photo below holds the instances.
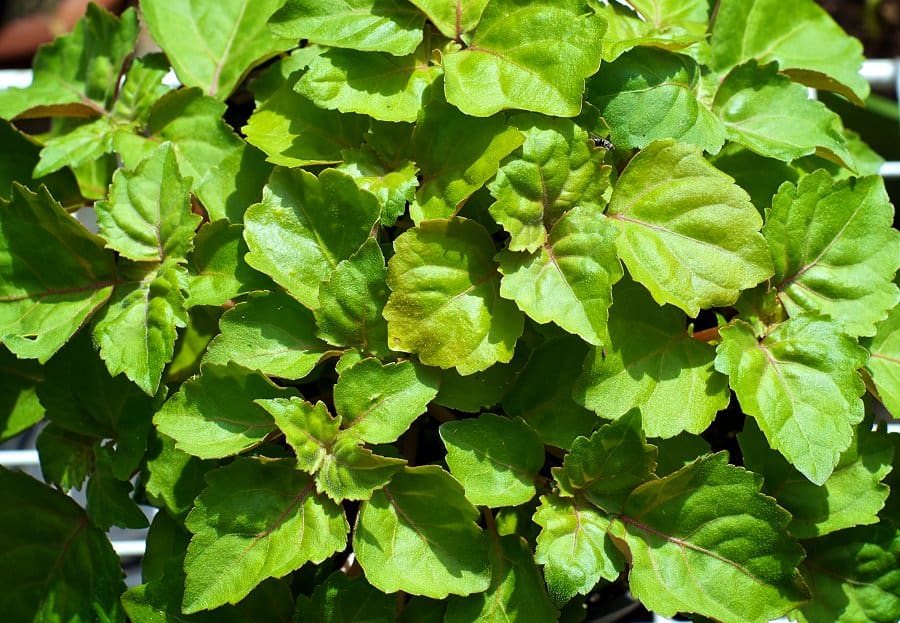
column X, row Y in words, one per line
column 67, row 458
column 173, row 478
column 689, row 234
column 555, row 170
column 758, row 175
column 76, row 74
column 801, row 385
column 234, row 183
column 627, row 29
column 495, row 458
column 774, row 117
column 382, row 86
column 536, row 54
column 649, row 94
column 806, row 42
column 516, row 593
column 569, row 281
column 83, row 144
column 272, row 333
column 148, row 216
column 136, row 331
column 46, row 299
column 305, row 226
column 379, row 402
column 606, row 467
column 855, row 577
column 19, row 404
column 834, row 249
column 218, row 270
column 676, row 452
column 851, row 496
column 308, row 429
column 143, row 86
column 450, row 169
column 444, row 305
column 57, row 566
column 214, row 49
column 352, row 472
column 453, row 18
column 394, row 187
column 419, row 535
column 483, row 389
column 694, row 524
column 884, row 361
column 651, row 364
column 574, row 547
column 213, row 415
column 341, row 599
column 370, row 25
column 109, row 502
column 351, row 302
column 294, row 132
column 18, row 157
column 257, row 518
column 200, row 137
column 542, row 394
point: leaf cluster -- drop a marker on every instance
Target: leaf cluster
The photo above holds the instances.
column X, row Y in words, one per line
column 449, row 310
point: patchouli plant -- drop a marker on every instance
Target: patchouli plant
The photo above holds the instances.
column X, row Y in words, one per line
column 448, row 310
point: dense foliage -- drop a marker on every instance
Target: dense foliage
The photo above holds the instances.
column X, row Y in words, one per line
column 436, row 310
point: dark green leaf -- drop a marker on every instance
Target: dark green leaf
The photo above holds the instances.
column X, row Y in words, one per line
column 174, row 478
column 346, row 600
column 19, row 404
column 109, row 501
column 56, row 566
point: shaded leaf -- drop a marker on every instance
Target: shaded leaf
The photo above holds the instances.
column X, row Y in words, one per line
column 19, row 404
column 394, row 187
column 341, row 599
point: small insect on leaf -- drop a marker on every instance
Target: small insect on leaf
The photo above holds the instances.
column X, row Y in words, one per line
column 605, row 143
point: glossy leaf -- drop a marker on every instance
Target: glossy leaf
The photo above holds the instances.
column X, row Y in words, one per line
column 444, row 305
column 305, row 226
column 569, row 281
column 689, row 234
column 807, row 44
column 136, row 332
column 854, row 575
column 256, row 519
column 627, row 29
column 834, row 249
column 382, row 86
column 308, row 429
column 418, row 535
column 271, row 333
column 378, row 402
column 884, row 361
column 148, row 215
column 81, row 145
column 143, row 86
column 77, row 73
column 453, row 18
column 517, row 591
column 649, row 94
column 394, row 187
column 351, row 302
column 774, row 117
column 801, row 385
column 542, row 394
column 495, row 458
column 652, row 363
column 532, row 65
column 57, row 566
column 213, row 415
column 574, row 547
column 451, row 170
column 852, row 495
column 44, row 301
column 234, row 183
column 556, row 169
column 214, row 49
column 371, row 25
column 294, row 132
column 606, row 467
column 695, row 524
